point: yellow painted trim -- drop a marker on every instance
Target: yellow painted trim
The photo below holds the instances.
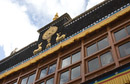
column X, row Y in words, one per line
column 67, row 42
column 120, row 78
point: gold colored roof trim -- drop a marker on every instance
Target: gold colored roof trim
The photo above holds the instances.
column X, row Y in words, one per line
column 67, row 42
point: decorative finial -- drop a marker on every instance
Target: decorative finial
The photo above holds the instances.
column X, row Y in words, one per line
column 14, row 51
column 56, row 16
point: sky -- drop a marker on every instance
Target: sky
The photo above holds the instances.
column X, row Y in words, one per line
column 20, row 19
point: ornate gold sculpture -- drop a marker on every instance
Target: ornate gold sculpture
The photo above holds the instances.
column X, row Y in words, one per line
column 48, row 34
column 56, row 16
column 38, row 50
column 59, row 38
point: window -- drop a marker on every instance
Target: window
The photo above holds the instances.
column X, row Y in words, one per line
column 48, row 70
column 75, row 72
column 24, row 81
column 28, row 80
column 42, row 83
column 65, row 77
column 124, row 49
column 66, row 62
column 120, row 34
column 128, row 29
column 71, row 59
column 49, row 81
column 52, row 69
column 31, row 79
column 91, row 49
column 105, row 59
column 102, row 44
column 43, row 72
column 93, row 64
column 75, row 57
column 97, row 46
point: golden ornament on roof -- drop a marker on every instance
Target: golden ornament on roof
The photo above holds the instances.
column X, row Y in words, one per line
column 39, row 49
column 56, row 16
column 48, row 34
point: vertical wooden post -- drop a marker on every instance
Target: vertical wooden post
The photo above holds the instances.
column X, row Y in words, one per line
column 83, row 61
column 18, row 80
column 37, row 70
column 56, row 71
column 111, row 42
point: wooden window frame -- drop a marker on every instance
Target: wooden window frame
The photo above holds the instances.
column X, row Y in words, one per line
column 70, row 70
column 117, row 48
column 98, row 53
column 119, row 27
column 27, row 75
column 45, row 79
column 47, row 65
column 95, row 41
column 123, row 40
column 70, row 54
column 99, row 59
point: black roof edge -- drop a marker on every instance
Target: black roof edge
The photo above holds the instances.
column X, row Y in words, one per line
column 87, row 11
column 6, row 58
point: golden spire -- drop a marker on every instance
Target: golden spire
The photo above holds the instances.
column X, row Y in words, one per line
column 56, row 16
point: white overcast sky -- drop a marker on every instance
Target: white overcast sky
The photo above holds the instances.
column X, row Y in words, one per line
column 20, row 19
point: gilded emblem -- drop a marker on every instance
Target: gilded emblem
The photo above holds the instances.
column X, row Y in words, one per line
column 38, row 50
column 48, row 34
column 60, row 37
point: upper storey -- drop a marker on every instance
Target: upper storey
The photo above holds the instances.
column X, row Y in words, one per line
column 63, row 31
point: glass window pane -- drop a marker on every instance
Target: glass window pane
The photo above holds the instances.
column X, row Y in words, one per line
column 64, row 77
column 52, row 68
column 66, row 62
column 124, row 49
column 42, row 83
column 31, row 79
column 128, row 29
column 75, row 57
column 75, row 72
column 93, row 64
column 24, row 81
column 91, row 49
column 43, row 72
column 50, row 81
column 120, row 34
column 103, row 43
column 106, row 58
